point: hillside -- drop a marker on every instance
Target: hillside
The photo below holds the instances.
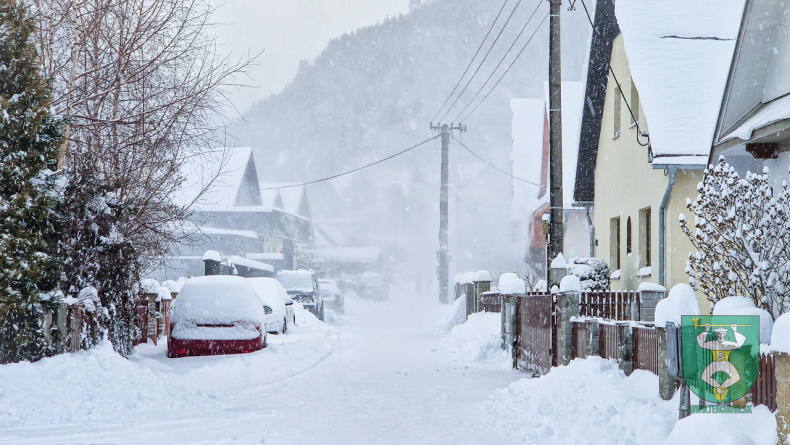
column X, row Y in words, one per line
column 373, row 92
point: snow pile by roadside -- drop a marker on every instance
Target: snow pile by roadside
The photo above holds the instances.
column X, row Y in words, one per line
column 100, row 385
column 592, row 401
column 478, row 340
column 451, row 315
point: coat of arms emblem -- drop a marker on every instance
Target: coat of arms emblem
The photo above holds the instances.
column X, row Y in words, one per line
column 721, row 355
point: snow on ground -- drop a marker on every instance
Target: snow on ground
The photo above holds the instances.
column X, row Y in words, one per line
column 478, row 340
column 396, row 372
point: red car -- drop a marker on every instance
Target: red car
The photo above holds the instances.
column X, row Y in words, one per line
column 214, row 315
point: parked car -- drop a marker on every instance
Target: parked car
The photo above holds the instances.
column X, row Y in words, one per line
column 333, row 297
column 302, row 286
column 374, row 286
column 274, row 296
column 214, row 315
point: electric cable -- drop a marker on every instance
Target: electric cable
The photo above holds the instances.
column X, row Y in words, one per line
column 622, row 94
column 537, row 6
column 492, row 165
column 490, row 28
column 506, row 71
column 480, row 65
column 354, row 170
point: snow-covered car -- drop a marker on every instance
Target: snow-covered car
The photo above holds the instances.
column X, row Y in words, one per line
column 332, row 296
column 273, row 295
column 374, row 286
column 215, row 315
column 302, row 286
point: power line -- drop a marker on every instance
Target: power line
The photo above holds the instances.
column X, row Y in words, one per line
column 354, row 170
column 491, row 28
column 537, row 6
column 480, row 65
column 622, row 94
column 494, row 166
column 506, row 71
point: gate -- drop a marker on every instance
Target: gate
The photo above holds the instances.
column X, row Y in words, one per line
column 535, row 333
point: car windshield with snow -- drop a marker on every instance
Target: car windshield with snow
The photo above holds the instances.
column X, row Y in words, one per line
column 216, row 315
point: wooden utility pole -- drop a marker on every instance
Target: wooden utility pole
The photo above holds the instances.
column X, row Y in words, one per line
column 443, row 270
column 556, row 229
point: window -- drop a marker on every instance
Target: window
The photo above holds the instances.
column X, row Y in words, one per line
column 634, row 103
column 614, row 242
column 617, row 100
column 628, row 237
column 644, row 236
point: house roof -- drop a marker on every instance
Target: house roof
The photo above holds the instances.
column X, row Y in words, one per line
column 218, row 174
column 290, row 197
column 758, row 84
column 600, row 53
column 679, row 52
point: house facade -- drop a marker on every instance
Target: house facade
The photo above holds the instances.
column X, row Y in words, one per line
column 662, row 97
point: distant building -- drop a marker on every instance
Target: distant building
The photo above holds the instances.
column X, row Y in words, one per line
column 530, row 157
column 236, row 215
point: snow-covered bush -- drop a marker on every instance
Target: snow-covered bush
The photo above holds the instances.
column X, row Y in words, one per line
column 741, row 232
column 593, row 273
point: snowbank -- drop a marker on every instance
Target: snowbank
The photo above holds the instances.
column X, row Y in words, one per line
column 559, row 262
column 650, row 287
column 510, row 283
column 591, row 401
column 588, row 401
column 101, row 386
column 212, row 255
column 682, row 300
column 745, row 306
column 780, row 335
column 479, row 340
column 451, row 315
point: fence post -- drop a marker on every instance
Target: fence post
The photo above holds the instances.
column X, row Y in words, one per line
column 648, row 299
column 625, row 345
column 782, row 362
column 479, row 288
column 469, row 294
column 593, row 338
column 666, row 383
column 569, row 307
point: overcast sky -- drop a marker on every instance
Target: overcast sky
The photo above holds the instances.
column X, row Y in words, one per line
column 289, row 31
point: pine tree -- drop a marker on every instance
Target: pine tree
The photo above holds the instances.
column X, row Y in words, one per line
column 29, row 136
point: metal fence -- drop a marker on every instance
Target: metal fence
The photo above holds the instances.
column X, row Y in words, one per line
column 610, row 305
column 645, row 348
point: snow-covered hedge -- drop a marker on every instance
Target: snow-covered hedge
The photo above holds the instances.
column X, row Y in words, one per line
column 593, row 273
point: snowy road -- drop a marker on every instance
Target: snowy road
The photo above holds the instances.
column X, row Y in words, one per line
column 383, row 378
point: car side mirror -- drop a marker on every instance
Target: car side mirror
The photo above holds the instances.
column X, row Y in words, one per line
column 267, row 310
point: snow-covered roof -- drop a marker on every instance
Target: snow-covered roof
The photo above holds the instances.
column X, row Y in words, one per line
column 220, row 172
column 266, row 256
column 229, row 232
column 775, row 111
column 348, row 254
column 252, row 264
column 285, row 195
column 527, row 133
column 679, row 53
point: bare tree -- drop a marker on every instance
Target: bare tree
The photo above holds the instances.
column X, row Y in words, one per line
column 142, row 88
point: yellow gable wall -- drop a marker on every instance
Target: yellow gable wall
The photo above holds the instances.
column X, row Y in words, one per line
column 626, row 184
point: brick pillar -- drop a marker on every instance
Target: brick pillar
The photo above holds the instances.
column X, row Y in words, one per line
column 569, row 307
column 782, row 362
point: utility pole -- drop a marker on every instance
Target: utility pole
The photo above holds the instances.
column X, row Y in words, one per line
column 556, row 229
column 443, row 270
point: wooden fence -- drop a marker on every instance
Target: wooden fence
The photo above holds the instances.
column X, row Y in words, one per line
column 608, row 339
column 535, row 333
column 618, row 306
column 645, row 346
column 764, row 390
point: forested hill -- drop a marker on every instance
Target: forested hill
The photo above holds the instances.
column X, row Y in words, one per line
column 373, row 92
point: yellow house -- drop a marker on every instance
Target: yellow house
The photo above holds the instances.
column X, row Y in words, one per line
column 664, row 79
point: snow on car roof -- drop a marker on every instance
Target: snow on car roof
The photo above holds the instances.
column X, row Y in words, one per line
column 301, row 280
column 270, row 291
column 217, row 299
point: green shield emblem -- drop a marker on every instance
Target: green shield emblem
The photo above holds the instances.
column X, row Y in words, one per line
column 721, row 355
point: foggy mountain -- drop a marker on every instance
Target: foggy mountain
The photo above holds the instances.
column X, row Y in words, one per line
column 373, row 92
